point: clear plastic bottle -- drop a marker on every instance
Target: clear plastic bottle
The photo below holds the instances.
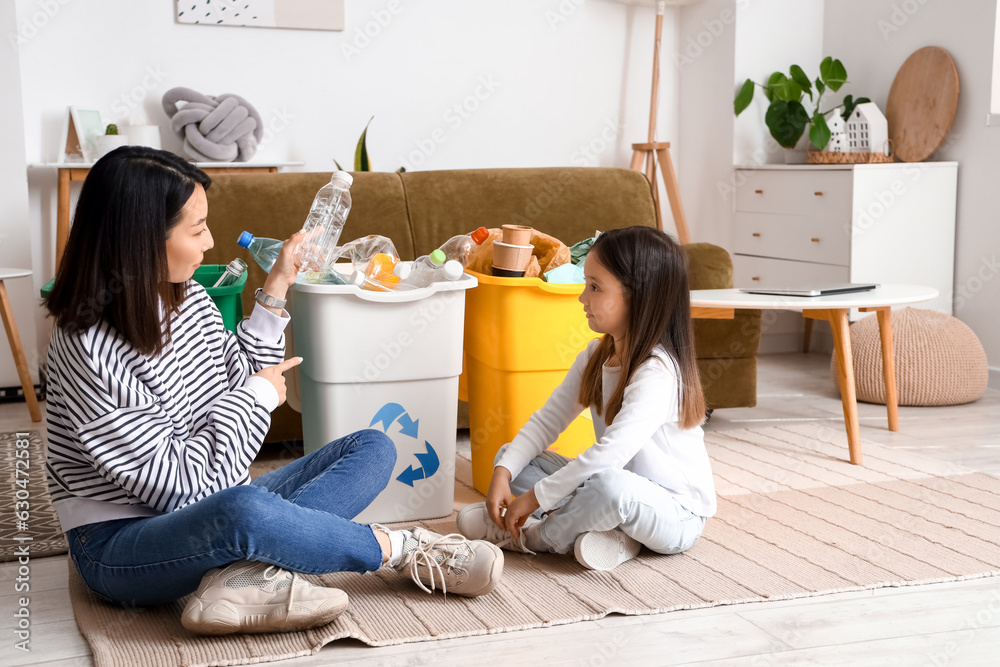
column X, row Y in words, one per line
column 264, row 251
column 457, row 247
column 232, row 273
column 429, row 269
column 323, row 224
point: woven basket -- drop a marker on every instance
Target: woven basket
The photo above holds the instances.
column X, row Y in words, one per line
column 939, row 360
column 825, row 157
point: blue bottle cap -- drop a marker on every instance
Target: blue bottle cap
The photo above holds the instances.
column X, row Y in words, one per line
column 245, row 239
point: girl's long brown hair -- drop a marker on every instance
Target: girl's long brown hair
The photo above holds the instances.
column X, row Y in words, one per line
column 652, row 269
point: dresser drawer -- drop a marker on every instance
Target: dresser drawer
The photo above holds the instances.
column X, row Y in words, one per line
column 820, row 193
column 766, row 272
column 806, row 239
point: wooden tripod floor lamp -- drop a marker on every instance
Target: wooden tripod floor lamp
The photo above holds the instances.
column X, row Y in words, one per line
column 645, row 156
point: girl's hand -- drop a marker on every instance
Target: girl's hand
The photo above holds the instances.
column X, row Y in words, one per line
column 519, row 511
column 498, row 497
column 273, row 374
column 285, row 271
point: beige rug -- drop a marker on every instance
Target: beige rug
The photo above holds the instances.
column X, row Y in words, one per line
column 795, row 519
column 25, row 482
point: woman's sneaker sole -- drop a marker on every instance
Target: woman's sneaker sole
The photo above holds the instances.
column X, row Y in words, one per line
column 605, row 550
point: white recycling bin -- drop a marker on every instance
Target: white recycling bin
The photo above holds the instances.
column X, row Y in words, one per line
column 390, row 361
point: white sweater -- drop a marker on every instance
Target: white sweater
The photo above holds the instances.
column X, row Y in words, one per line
column 644, row 437
column 133, row 435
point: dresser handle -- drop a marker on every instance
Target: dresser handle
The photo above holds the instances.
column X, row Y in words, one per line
column 818, row 194
column 760, row 192
column 815, row 240
column 756, row 278
column 756, row 235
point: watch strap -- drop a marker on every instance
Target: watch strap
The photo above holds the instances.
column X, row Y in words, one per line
column 266, row 299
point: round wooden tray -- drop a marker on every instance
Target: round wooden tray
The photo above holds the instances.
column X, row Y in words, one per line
column 922, row 103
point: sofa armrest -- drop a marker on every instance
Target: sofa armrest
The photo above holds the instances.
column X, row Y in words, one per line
column 709, row 266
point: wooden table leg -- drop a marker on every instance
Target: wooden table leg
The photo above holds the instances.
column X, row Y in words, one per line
column 62, row 215
column 19, row 361
column 888, row 366
column 845, row 372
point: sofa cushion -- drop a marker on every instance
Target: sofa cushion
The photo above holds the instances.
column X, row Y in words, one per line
column 568, row 203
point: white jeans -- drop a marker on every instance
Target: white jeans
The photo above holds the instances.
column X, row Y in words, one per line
column 640, row 508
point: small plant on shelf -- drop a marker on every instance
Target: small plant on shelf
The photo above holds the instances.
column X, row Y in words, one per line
column 786, row 116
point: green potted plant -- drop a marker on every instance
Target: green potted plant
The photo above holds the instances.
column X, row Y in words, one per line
column 107, row 142
column 786, row 116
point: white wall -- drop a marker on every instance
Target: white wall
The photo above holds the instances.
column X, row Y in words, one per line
column 15, row 245
column 511, row 84
column 874, row 39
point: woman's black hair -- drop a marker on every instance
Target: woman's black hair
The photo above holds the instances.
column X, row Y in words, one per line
column 114, row 267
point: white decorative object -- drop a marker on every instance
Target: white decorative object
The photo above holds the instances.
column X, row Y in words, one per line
column 867, row 130
column 835, row 120
column 883, row 223
column 838, row 142
column 105, row 143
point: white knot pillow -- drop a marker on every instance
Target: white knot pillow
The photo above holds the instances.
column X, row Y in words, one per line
column 215, row 129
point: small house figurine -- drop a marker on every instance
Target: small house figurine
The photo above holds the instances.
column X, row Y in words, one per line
column 838, row 143
column 867, row 130
column 835, row 120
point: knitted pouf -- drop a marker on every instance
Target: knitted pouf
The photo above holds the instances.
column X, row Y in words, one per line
column 939, row 360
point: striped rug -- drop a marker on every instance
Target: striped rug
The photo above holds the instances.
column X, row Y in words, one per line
column 795, row 519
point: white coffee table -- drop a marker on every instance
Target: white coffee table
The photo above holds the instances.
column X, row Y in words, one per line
column 722, row 304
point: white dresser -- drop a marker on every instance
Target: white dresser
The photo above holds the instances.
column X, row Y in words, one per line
column 883, row 223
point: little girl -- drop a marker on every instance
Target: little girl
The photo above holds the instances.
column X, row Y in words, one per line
column 647, row 478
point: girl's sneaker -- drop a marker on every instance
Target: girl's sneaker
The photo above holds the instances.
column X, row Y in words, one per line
column 464, row 567
column 474, row 522
column 248, row 596
column 605, row 550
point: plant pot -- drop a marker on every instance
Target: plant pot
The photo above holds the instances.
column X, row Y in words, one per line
column 511, row 257
column 799, row 154
column 517, row 234
column 105, row 143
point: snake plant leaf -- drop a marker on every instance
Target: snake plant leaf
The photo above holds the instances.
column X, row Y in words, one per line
column 819, row 132
column 339, row 168
column 361, row 162
column 786, row 121
column 800, row 78
column 833, row 73
column 744, row 97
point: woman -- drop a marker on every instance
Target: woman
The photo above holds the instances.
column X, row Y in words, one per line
column 155, row 413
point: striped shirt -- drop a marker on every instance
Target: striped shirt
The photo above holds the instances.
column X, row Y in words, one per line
column 132, row 435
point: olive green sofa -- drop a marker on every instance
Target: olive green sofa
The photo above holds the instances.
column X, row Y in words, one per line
column 420, row 210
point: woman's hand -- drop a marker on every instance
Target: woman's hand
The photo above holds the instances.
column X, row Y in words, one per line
column 518, row 511
column 285, row 271
column 273, row 374
column 498, row 497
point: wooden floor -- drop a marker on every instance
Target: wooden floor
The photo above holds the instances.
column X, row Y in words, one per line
column 938, row 624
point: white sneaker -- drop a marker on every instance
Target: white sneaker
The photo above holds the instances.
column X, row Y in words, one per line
column 605, row 550
column 247, row 596
column 475, row 523
column 464, row 567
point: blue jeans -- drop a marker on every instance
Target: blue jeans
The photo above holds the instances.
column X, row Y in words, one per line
column 297, row 517
column 639, row 507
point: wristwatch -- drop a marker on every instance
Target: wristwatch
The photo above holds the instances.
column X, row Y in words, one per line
column 268, row 300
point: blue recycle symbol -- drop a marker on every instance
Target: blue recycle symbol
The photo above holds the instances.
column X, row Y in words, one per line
column 429, row 462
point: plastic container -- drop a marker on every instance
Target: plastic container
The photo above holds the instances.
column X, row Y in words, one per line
column 324, row 223
column 227, row 299
column 264, row 251
column 232, row 273
column 428, row 269
column 521, row 337
column 391, row 361
column 457, row 247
